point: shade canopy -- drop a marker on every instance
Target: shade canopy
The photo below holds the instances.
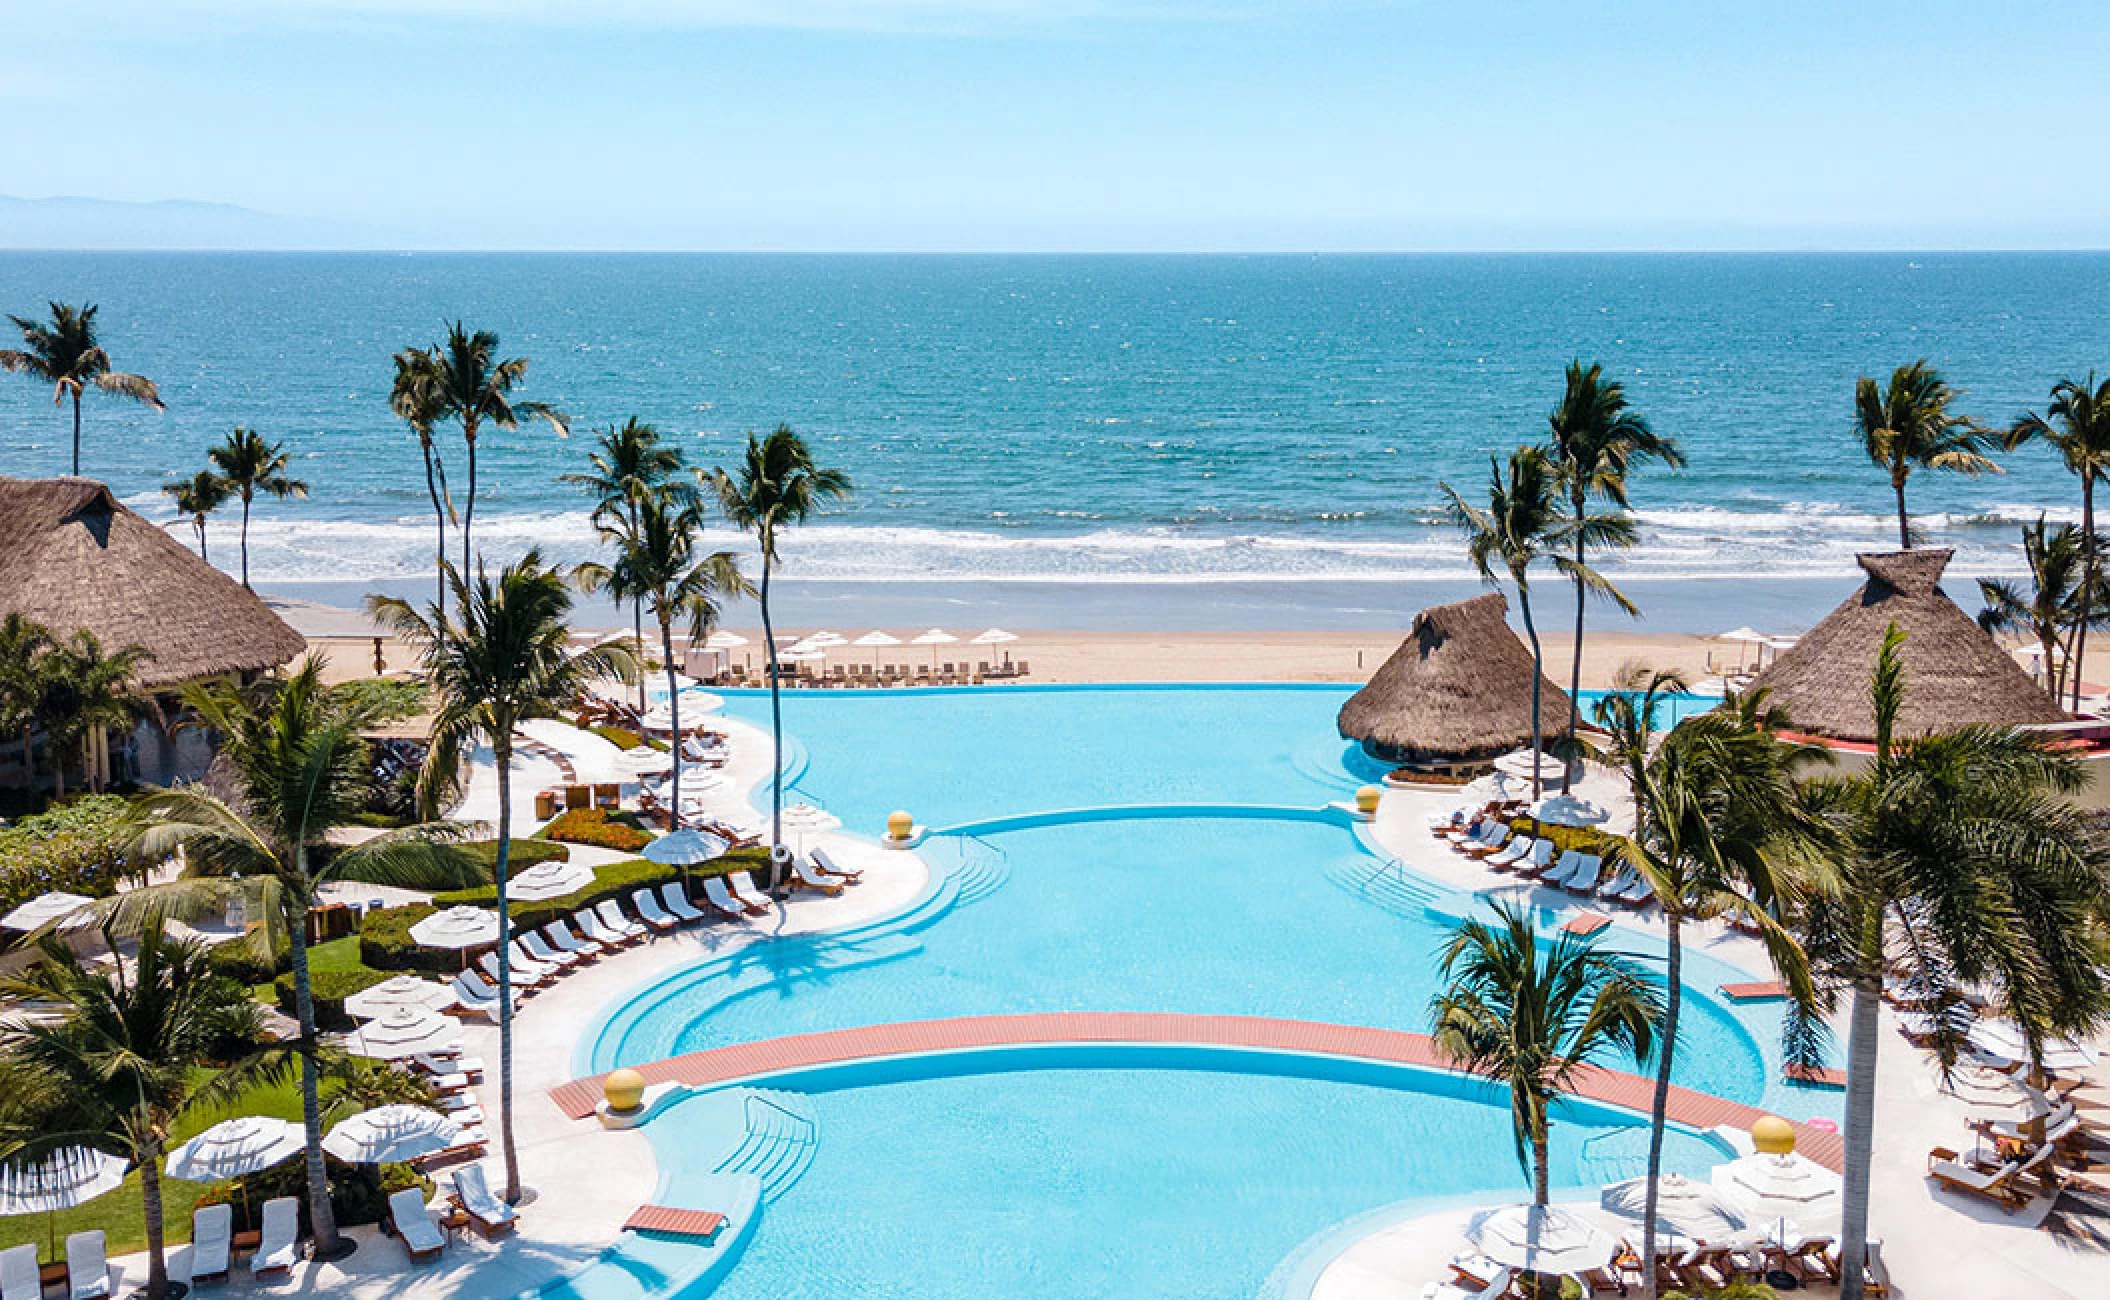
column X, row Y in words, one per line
column 2003, row 1040
column 1785, row 1186
column 660, row 717
column 642, row 761
column 1457, row 690
column 388, row 1135
column 1684, row 1207
column 457, row 927
column 399, row 991
column 809, row 817
column 685, row 848
column 1523, row 762
column 552, row 879
column 235, row 1147
column 42, row 910
column 1569, row 810
column 1541, row 1238
column 995, row 636
column 695, row 783
column 61, row 1181
column 724, row 641
column 935, row 636
column 874, row 640
column 1746, row 634
column 402, row 1032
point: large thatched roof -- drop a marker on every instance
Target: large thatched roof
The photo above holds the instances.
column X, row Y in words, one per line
column 72, row 557
column 1458, row 687
column 1955, row 674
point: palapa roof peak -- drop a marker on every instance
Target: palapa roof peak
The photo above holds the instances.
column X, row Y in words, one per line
column 73, row 556
column 1955, row 674
column 1458, row 687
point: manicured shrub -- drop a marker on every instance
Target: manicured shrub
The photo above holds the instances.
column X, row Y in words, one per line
column 524, row 853
column 72, row 846
column 594, row 826
column 329, row 989
column 620, row 737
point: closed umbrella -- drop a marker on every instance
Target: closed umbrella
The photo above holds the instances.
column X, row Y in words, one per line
column 457, row 928
column 399, row 991
column 402, row 1032
column 546, row 880
column 42, row 910
column 388, row 1135
column 1684, row 1208
column 1540, row 1239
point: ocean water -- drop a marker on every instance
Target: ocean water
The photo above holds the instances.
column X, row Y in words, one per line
column 1023, row 419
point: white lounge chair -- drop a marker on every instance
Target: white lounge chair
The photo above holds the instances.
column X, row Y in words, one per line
column 612, row 918
column 562, row 939
column 278, row 1238
column 472, row 1192
column 449, row 1061
column 830, row 867
column 87, row 1266
column 744, row 889
column 535, row 948
column 1613, row 885
column 1639, row 892
column 1584, row 878
column 415, row 1225
column 678, row 903
column 474, row 994
column 1533, row 864
column 524, row 975
column 211, row 1238
column 20, row 1278
column 1491, row 837
column 1569, row 860
column 1513, row 851
column 646, row 904
column 1466, row 835
column 804, row 876
column 1496, row 1285
column 719, row 896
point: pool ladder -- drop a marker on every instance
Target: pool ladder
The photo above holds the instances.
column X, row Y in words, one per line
column 981, row 871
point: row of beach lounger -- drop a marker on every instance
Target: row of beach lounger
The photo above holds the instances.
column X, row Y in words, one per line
column 1488, row 837
column 944, row 674
column 1698, row 1268
column 2013, row 1162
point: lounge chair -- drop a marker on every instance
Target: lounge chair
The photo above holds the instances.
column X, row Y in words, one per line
column 1706, row 1267
column 1639, row 893
column 211, row 1238
column 525, row 961
column 278, row 1241
column 1442, row 824
column 472, row 1193
column 535, row 948
column 646, row 904
column 1617, row 883
column 678, row 904
column 471, row 993
column 612, row 918
column 1995, row 1184
column 87, row 1266
column 1490, row 841
column 413, row 1222
column 1496, row 1286
column 20, row 1279
column 720, row 900
column 804, row 876
column 744, row 889
column 562, row 939
column 829, row 867
column 526, row 976
column 470, row 1145
column 1514, row 851
column 591, row 925
column 1533, row 865
column 2063, row 1128
column 1570, row 859
column 1583, row 879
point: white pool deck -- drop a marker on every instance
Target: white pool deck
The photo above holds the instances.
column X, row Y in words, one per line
column 586, row 1180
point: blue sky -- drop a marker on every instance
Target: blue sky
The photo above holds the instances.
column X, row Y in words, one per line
column 1081, row 124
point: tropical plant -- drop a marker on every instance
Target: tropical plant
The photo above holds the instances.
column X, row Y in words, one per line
column 2077, row 424
column 249, row 465
column 1536, row 1018
column 777, row 486
column 66, row 355
column 629, row 464
column 82, row 692
column 1908, row 425
column 1596, row 440
column 1964, row 865
column 297, row 770
column 195, row 498
column 2057, row 602
column 1718, row 830
column 1522, row 524
column 659, row 562
column 501, row 661
column 415, row 399
column 122, row 1056
column 24, row 643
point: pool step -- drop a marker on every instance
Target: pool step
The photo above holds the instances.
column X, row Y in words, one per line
column 781, row 1136
column 981, row 872
column 1615, row 1155
column 1384, row 884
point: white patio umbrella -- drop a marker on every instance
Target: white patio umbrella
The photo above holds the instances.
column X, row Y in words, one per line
column 402, row 1032
column 875, row 641
column 2003, row 1039
column 1569, row 810
column 934, row 638
column 546, row 880
column 457, row 928
column 64, row 1179
column 1785, row 1186
column 399, row 991
column 235, row 1147
column 822, row 640
column 1519, row 763
column 803, row 819
column 685, row 848
column 1540, row 1238
column 642, row 761
column 700, row 701
column 995, row 636
column 694, row 784
column 42, row 910
column 1743, row 636
column 724, row 641
column 1683, row 1207
column 660, row 717
column 387, row 1135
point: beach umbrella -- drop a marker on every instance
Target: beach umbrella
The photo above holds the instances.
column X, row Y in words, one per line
column 685, row 848
column 42, row 910
column 66, row 1178
column 1569, row 810
column 1743, row 636
column 995, row 636
column 823, row 640
column 1520, row 763
column 402, row 1032
column 724, row 641
column 388, row 1135
column 660, row 717
column 1684, row 1207
column 547, row 880
column 876, row 641
column 1540, row 1238
column 642, row 761
column 701, row 701
column 933, row 638
column 235, row 1147
column 399, row 991
column 1788, row 1185
column 803, row 819
column 457, row 928
column 2002, row 1039
column 1987, row 1088
column 694, row 785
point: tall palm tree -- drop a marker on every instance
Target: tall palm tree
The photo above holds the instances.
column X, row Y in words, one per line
column 2059, row 601
column 1596, row 440
column 2078, row 424
column 298, row 770
column 24, row 643
column 122, row 1057
column 249, row 465
column 1717, row 830
column 66, row 355
column 84, row 692
column 1965, row 865
column 629, row 464
column 501, row 661
column 415, row 399
column 195, row 498
column 1535, row 1018
column 778, row 486
column 1908, row 425
column 466, row 382
column 1522, row 524
column 659, row 563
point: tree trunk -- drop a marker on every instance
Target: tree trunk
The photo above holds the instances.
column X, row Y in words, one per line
column 2053, row 678
column 469, row 504
column 2080, row 632
column 199, row 524
column 1538, row 674
column 76, row 433
column 666, row 647
column 1862, row 1040
column 637, row 631
column 776, row 721
column 1659, row 1101
column 502, row 750
column 157, row 1237
column 1897, row 483
column 245, row 540
column 1575, row 662
column 439, row 528
column 322, row 1219
column 1541, row 1166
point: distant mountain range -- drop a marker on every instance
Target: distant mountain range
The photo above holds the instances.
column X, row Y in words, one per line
column 100, row 224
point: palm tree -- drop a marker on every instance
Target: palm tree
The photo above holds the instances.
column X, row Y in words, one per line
column 65, row 355
column 2078, row 425
column 502, row 661
column 466, row 382
column 414, row 397
column 1596, row 438
column 195, row 498
column 1521, row 525
column 658, row 563
column 1908, row 425
column 1966, row 865
column 629, row 465
column 122, row 1057
column 83, row 692
column 24, row 643
column 250, row 465
column 1717, row 830
column 1536, row 1018
column 298, row 771
column 2055, row 603
column 778, row 486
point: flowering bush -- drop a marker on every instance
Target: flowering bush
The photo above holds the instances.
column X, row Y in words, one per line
column 592, row 826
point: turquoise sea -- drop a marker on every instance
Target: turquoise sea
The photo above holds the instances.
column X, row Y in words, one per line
column 1075, row 421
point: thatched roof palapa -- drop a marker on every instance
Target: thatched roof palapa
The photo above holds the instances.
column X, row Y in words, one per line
column 1458, row 688
column 1955, row 674
column 72, row 557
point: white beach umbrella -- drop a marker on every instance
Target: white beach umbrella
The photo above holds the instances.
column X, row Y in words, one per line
column 2003, row 1039
column 387, row 1135
column 1747, row 634
column 1785, row 1186
column 933, row 638
column 235, row 1147
column 874, row 640
column 660, row 717
column 699, row 702
column 62, row 1180
column 1541, row 1238
column 695, row 784
column 1991, row 1089
column 1519, row 763
column 1569, row 810
column 685, row 848
column 43, row 910
column 822, row 640
column 402, row 1032
column 399, row 991
column 457, row 928
column 1683, row 1207
column 546, row 880
column 803, row 819
column 642, row 761
column 724, row 641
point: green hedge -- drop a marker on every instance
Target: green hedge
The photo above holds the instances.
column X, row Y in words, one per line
column 620, row 737
column 71, row 846
column 329, row 989
column 524, row 853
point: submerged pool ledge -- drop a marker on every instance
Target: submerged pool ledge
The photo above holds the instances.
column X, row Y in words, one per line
column 1115, row 812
